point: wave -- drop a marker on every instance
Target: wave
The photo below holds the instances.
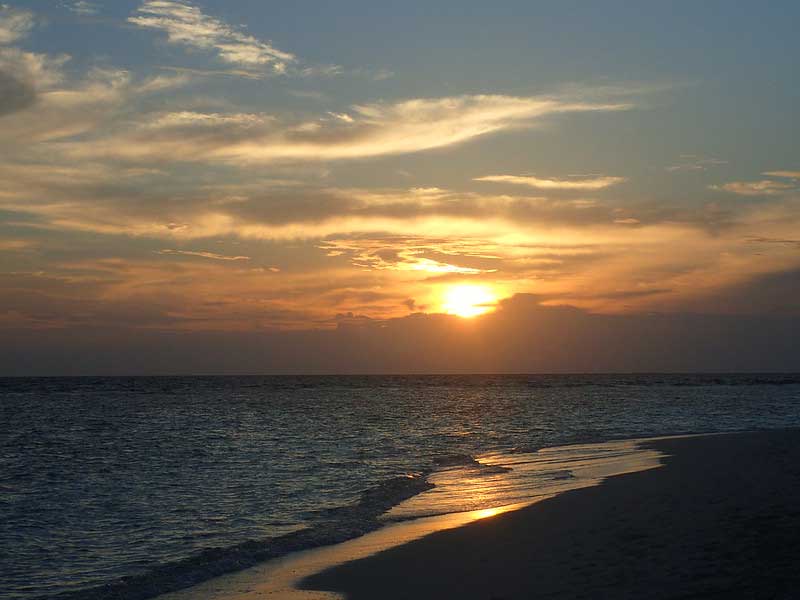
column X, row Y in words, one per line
column 467, row 461
column 332, row 526
column 329, row 526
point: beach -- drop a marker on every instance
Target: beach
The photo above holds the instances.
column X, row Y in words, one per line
column 720, row 519
column 275, row 480
column 399, row 300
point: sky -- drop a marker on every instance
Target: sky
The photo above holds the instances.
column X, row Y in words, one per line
column 359, row 186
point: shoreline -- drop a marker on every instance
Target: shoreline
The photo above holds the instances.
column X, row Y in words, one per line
column 337, row 568
column 719, row 520
column 279, row 578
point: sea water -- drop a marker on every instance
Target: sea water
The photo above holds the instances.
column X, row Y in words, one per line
column 142, row 485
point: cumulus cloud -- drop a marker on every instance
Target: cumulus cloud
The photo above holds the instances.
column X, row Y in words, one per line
column 765, row 187
column 15, row 24
column 582, row 184
column 187, row 25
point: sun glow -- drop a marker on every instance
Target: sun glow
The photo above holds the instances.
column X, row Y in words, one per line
column 468, row 301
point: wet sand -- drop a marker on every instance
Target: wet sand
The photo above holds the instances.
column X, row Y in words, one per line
column 721, row 519
column 588, row 465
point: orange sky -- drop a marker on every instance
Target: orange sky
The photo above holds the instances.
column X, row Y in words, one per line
column 201, row 176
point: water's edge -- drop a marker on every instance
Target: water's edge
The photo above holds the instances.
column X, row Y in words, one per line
column 338, row 525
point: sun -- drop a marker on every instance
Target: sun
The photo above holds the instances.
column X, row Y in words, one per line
column 468, row 300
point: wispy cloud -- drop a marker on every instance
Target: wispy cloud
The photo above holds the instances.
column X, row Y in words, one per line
column 365, row 130
column 582, row 184
column 57, row 112
column 231, row 72
column 693, row 162
column 16, row 245
column 15, row 24
column 783, row 174
column 49, row 105
column 381, row 249
column 781, row 241
column 24, row 77
column 765, row 187
column 400, row 253
column 84, row 8
column 187, row 25
column 203, row 254
column 308, row 94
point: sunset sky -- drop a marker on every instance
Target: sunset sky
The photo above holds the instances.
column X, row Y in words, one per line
column 302, row 170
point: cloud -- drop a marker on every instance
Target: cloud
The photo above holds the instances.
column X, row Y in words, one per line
column 768, row 240
column 203, row 254
column 16, row 245
column 215, row 72
column 64, row 112
column 361, row 250
column 583, row 184
column 15, row 24
column 129, row 200
column 376, row 129
column 342, row 117
column 522, row 336
column 84, row 8
column 47, row 108
column 764, row 187
column 420, row 254
column 692, row 162
column 38, row 70
column 24, row 76
column 116, row 200
column 783, row 174
column 186, row 25
column 308, row 94
column 15, row 94
column 320, row 71
column 160, row 83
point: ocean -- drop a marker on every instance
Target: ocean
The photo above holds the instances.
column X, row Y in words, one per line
column 135, row 486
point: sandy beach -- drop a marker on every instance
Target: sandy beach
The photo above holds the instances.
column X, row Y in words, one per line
column 721, row 519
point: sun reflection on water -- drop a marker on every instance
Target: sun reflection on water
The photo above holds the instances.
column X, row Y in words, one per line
column 489, row 485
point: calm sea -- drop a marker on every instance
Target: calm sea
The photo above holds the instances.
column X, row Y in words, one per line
column 132, row 486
